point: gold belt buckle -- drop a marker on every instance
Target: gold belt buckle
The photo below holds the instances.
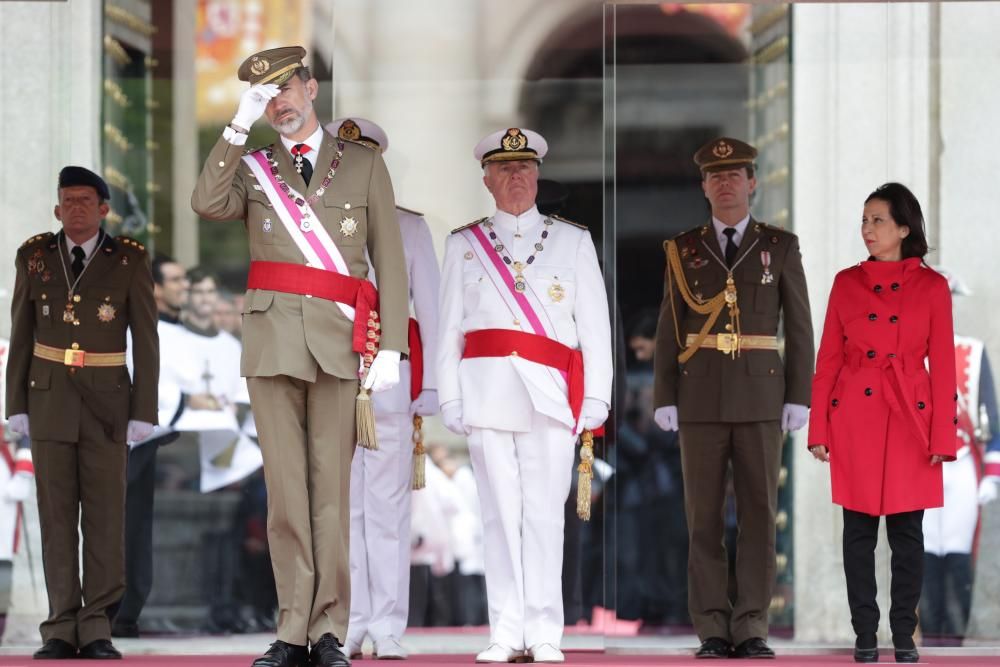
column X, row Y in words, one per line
column 726, row 343
column 74, row 358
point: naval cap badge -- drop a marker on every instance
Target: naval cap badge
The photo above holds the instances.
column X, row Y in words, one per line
column 514, row 140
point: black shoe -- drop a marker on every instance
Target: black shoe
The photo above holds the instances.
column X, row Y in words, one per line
column 714, row 647
column 283, row 654
column 100, row 649
column 56, row 649
column 125, row 629
column 754, row 648
column 866, row 648
column 905, row 649
column 326, row 653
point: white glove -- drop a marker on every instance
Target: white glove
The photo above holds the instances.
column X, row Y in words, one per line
column 593, row 413
column 666, row 418
column 988, row 489
column 19, row 424
column 18, row 487
column 384, row 372
column 793, row 417
column 253, row 101
column 426, row 403
column 138, row 431
column 451, row 415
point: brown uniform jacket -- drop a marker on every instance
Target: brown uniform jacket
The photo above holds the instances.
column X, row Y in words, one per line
column 291, row 334
column 52, row 393
column 712, row 386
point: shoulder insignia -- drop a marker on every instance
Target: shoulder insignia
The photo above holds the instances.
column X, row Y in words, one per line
column 410, row 211
column 471, row 224
column 37, row 237
column 692, row 233
column 569, row 222
column 131, row 243
column 248, row 151
column 359, row 143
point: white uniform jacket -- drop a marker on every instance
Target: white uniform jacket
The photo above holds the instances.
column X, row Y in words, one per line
column 502, row 393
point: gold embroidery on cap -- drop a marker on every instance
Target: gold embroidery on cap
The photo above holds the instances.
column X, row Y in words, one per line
column 722, row 150
column 349, row 130
column 514, row 140
column 259, row 65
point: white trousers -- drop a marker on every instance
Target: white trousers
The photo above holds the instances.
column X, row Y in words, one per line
column 952, row 528
column 380, row 532
column 523, row 481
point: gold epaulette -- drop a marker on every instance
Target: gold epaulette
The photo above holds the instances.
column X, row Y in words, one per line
column 471, row 224
column 130, row 242
column 410, row 211
column 36, row 238
column 569, row 222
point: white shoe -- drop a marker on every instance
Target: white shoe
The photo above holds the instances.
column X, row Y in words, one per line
column 388, row 648
column 499, row 653
column 546, row 653
column 353, row 650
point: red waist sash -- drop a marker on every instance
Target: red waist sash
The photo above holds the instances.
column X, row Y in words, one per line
column 305, row 280
column 539, row 349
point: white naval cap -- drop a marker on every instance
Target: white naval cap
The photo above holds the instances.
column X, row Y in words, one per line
column 512, row 144
column 361, row 130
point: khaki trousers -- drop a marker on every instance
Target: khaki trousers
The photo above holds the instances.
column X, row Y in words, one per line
column 306, row 434
column 81, row 489
column 754, row 449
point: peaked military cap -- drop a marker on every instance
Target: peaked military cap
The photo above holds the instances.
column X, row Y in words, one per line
column 272, row 65
column 72, row 175
column 512, row 144
column 725, row 153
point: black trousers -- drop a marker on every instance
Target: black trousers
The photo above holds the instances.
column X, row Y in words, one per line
column 906, row 541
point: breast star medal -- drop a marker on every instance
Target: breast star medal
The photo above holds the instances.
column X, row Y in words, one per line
column 348, row 226
column 557, row 292
column 106, row 312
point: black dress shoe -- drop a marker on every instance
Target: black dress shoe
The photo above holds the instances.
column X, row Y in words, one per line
column 129, row 630
column 326, row 653
column 866, row 648
column 283, row 654
column 56, row 649
column 714, row 647
column 100, row 649
column 753, row 648
column 905, row 649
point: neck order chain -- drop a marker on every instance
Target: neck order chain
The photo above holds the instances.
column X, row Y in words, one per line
column 68, row 314
column 520, row 284
column 314, row 197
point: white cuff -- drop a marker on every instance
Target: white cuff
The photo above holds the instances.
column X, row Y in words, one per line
column 234, row 137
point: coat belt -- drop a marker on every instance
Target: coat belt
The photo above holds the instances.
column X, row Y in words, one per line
column 77, row 357
column 895, row 386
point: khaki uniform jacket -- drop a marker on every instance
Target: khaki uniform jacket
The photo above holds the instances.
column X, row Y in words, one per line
column 51, row 393
column 291, row 334
column 712, row 386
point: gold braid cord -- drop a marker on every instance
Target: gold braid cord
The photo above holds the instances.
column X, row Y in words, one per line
column 712, row 307
column 419, row 453
column 585, row 475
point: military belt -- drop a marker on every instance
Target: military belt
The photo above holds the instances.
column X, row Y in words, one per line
column 79, row 358
column 728, row 343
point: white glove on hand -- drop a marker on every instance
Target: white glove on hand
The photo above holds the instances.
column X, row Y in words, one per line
column 19, row 424
column 988, row 490
column 384, row 372
column 793, row 417
column 593, row 413
column 425, row 404
column 138, row 431
column 666, row 418
column 451, row 415
column 18, row 488
column 253, row 101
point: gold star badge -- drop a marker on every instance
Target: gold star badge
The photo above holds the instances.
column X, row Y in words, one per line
column 348, row 226
column 106, row 312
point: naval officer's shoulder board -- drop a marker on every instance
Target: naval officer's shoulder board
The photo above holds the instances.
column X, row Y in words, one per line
column 569, row 222
column 471, row 224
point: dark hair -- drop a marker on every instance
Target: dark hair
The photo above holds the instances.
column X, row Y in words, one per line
column 905, row 211
column 198, row 274
column 304, row 73
column 158, row 261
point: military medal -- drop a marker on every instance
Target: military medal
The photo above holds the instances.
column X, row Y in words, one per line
column 267, row 224
column 556, row 292
column 45, row 310
column 306, row 224
column 348, row 226
column 520, row 282
column 106, row 312
column 314, row 197
column 766, row 277
column 68, row 315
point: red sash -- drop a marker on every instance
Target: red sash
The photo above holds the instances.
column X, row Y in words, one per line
column 305, row 280
column 539, row 349
column 416, row 361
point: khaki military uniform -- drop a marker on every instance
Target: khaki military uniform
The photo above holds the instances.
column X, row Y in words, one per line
column 729, row 409
column 302, row 371
column 79, row 415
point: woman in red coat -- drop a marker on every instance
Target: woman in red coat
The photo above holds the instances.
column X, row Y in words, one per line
column 879, row 416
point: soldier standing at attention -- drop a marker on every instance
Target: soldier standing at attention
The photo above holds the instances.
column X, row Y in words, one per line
column 312, row 204
column 75, row 295
column 720, row 380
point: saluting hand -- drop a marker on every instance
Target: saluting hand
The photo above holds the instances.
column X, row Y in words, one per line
column 253, row 102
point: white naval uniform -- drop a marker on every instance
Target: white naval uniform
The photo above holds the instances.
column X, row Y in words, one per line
column 521, row 439
column 381, row 479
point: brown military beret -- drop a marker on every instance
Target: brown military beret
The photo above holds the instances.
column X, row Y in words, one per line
column 272, row 65
column 724, row 153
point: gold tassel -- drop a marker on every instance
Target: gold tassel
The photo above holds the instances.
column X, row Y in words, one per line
column 364, row 415
column 419, row 453
column 585, row 475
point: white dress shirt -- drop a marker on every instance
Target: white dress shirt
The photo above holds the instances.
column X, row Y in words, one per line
column 720, row 227
column 89, row 246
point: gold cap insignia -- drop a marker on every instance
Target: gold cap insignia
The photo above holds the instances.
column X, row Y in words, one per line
column 514, row 140
column 349, row 130
column 259, row 65
column 722, row 150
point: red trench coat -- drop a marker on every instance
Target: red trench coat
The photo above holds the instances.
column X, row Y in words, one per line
column 874, row 403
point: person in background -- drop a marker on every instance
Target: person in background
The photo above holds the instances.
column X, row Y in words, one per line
column 881, row 420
